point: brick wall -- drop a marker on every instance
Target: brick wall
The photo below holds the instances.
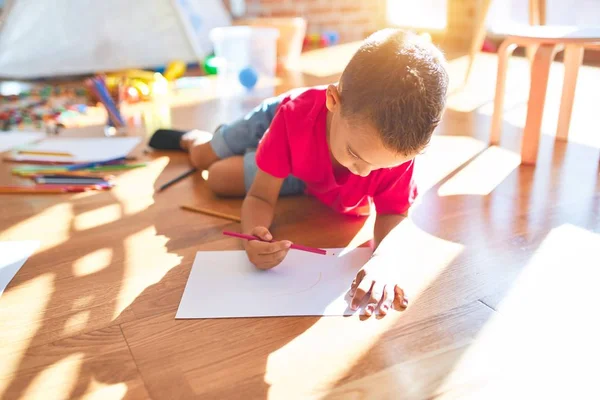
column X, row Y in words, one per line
column 352, row 19
column 356, row 19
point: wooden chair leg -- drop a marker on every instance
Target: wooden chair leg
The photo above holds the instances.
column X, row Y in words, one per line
column 537, row 12
column 504, row 52
column 572, row 60
column 478, row 37
column 540, row 70
column 537, row 16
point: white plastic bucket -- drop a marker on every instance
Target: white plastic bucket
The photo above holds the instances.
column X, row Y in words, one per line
column 241, row 47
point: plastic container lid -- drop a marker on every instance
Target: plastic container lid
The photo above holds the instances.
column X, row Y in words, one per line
column 232, row 32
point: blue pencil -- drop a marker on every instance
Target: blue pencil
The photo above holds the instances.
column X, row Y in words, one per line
column 107, row 100
column 76, row 167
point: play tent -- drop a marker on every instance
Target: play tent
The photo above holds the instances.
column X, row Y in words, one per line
column 44, row 38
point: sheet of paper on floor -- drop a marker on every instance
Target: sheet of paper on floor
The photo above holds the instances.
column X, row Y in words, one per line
column 82, row 149
column 224, row 284
column 11, row 140
column 13, row 255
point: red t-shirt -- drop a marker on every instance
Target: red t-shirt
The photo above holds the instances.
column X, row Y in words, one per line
column 296, row 144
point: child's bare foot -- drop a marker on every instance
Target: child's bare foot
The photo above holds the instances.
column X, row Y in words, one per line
column 197, row 143
column 193, row 138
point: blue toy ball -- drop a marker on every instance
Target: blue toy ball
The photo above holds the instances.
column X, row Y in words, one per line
column 248, row 77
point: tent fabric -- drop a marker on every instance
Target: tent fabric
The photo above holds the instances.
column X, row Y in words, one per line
column 43, row 38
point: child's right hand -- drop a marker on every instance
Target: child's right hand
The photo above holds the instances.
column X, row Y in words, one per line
column 266, row 255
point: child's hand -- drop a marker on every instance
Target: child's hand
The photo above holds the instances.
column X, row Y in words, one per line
column 373, row 280
column 266, row 255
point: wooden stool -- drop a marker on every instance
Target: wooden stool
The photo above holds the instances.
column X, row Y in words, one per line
column 537, row 16
column 548, row 40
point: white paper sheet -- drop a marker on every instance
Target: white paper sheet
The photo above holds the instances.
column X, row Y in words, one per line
column 10, row 140
column 83, row 149
column 12, row 257
column 224, row 284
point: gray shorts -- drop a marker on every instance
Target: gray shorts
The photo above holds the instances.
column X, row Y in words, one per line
column 242, row 138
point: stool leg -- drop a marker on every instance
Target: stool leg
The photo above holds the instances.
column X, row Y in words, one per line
column 504, row 53
column 540, row 70
column 478, row 37
column 572, row 61
column 537, row 16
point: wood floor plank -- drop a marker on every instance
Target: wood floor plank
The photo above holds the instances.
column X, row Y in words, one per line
column 97, row 364
column 286, row 355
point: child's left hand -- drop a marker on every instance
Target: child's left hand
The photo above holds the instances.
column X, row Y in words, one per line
column 374, row 280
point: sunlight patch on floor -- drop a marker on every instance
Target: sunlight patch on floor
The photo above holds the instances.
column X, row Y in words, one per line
column 328, row 61
column 59, row 378
column 100, row 391
column 543, row 342
column 21, row 321
column 98, row 217
column 76, row 323
column 92, row 262
column 443, row 156
column 147, row 261
column 483, row 174
column 135, row 188
column 56, row 223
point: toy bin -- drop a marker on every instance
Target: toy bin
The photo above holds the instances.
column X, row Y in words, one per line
column 246, row 56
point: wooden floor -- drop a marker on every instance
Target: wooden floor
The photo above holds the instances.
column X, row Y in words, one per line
column 502, row 270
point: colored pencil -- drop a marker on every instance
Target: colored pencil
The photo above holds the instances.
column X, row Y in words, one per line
column 71, row 181
column 45, row 153
column 293, row 246
column 177, row 179
column 78, row 188
column 98, row 86
column 27, row 171
column 112, row 161
column 72, row 177
column 66, row 174
column 115, row 167
column 43, row 189
column 207, row 211
column 36, row 161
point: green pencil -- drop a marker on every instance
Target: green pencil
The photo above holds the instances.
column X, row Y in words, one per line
column 28, row 170
column 116, row 167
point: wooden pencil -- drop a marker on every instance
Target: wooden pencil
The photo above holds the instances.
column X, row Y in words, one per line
column 212, row 213
column 44, row 153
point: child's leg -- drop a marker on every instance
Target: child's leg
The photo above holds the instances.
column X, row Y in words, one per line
column 226, row 177
column 233, row 177
column 197, row 143
column 234, row 139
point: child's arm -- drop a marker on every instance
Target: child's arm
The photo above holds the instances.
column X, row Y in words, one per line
column 385, row 225
column 257, row 215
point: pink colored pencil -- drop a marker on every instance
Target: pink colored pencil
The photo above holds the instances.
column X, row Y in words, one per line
column 293, row 246
column 48, row 189
column 41, row 189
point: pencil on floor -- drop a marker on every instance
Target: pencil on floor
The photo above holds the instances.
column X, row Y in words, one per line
column 44, row 153
column 207, row 211
column 177, row 179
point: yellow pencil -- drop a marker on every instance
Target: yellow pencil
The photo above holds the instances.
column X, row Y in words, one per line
column 44, row 153
column 212, row 213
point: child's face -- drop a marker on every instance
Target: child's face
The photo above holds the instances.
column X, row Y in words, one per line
column 357, row 145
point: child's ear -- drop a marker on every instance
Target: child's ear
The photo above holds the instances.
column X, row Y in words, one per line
column 333, row 98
